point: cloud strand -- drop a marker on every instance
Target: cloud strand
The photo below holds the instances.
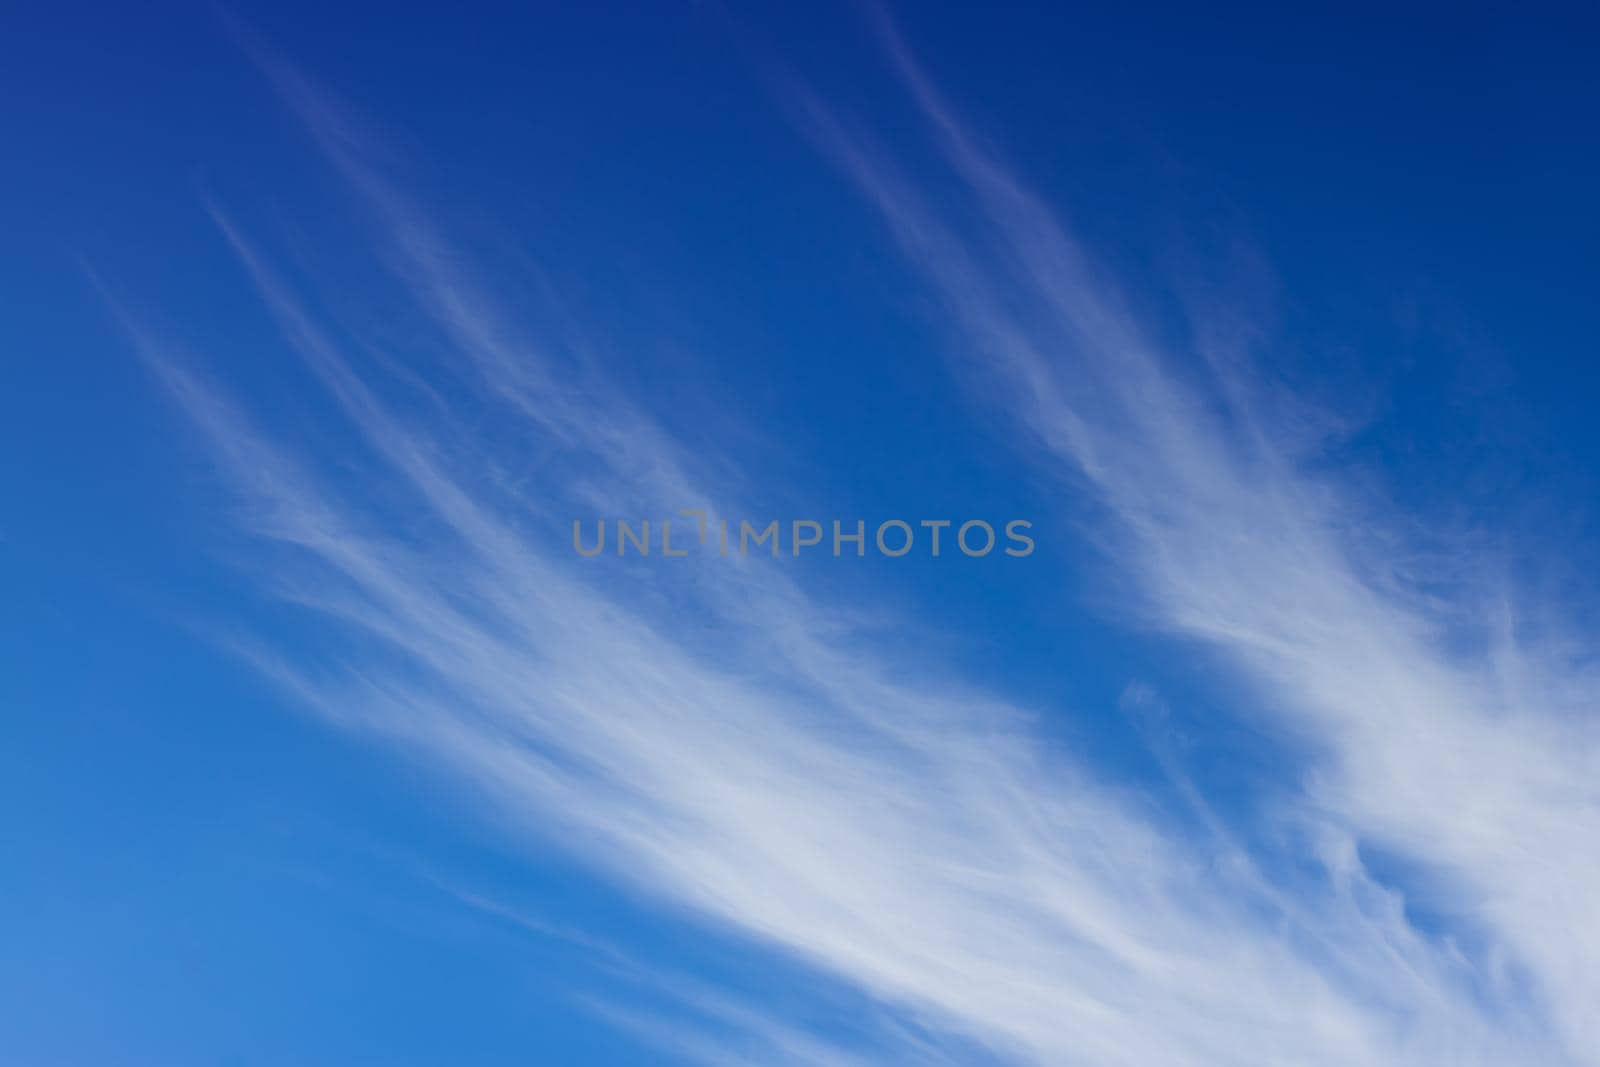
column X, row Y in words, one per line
column 919, row 841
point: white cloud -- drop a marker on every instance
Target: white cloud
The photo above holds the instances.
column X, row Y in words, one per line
column 913, row 840
column 1481, row 768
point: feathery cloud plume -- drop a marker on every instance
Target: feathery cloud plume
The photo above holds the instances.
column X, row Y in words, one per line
column 916, row 840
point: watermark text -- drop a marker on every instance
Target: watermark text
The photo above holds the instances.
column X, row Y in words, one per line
column 702, row 535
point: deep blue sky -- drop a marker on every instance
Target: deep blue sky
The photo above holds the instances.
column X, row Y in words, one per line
column 198, row 872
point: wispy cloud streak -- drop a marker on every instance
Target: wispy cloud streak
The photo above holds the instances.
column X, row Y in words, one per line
column 915, row 840
column 1481, row 768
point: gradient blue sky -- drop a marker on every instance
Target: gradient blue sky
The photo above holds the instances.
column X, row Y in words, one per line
column 320, row 746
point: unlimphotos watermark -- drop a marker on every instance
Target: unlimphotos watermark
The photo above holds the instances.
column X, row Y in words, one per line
column 723, row 537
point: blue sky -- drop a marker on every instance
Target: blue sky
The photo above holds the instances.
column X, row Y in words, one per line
column 322, row 745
